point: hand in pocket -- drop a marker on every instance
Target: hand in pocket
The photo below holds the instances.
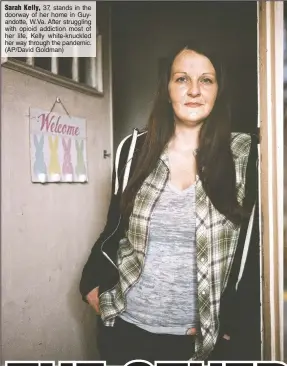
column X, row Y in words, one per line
column 93, row 299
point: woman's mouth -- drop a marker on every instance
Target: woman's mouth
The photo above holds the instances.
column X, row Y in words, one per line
column 193, row 105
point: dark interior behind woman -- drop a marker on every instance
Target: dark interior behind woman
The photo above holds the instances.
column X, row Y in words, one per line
column 164, row 273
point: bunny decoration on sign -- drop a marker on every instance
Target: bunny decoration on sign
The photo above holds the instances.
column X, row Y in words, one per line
column 54, row 166
column 81, row 166
column 40, row 169
column 57, row 147
column 67, row 168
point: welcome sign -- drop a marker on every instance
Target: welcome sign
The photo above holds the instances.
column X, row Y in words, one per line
column 57, row 147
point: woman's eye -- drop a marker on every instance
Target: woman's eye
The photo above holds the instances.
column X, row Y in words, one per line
column 207, row 81
column 181, row 79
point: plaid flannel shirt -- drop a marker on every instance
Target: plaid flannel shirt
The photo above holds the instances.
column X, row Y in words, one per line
column 216, row 240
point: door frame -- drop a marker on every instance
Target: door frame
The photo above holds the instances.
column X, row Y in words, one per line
column 270, row 32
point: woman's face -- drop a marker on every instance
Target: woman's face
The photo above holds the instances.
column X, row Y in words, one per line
column 192, row 87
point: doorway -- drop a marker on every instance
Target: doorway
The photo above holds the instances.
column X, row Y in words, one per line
column 142, row 33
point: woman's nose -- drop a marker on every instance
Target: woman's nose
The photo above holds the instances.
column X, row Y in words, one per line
column 194, row 89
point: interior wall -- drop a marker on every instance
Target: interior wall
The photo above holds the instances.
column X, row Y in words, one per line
column 48, row 230
column 143, row 32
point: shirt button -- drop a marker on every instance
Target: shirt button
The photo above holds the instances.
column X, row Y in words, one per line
column 203, row 292
column 202, row 259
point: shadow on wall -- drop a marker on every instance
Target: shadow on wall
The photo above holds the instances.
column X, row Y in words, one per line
column 86, row 318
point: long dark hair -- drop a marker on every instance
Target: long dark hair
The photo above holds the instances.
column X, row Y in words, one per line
column 214, row 159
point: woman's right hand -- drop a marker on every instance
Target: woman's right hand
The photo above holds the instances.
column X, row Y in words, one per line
column 93, row 299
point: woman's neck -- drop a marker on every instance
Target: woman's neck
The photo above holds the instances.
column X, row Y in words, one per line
column 185, row 138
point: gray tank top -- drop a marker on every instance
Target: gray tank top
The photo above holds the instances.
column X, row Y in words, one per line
column 164, row 300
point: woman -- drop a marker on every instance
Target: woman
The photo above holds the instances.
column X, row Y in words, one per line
column 159, row 271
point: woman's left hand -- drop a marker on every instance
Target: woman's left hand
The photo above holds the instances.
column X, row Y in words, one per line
column 227, row 337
